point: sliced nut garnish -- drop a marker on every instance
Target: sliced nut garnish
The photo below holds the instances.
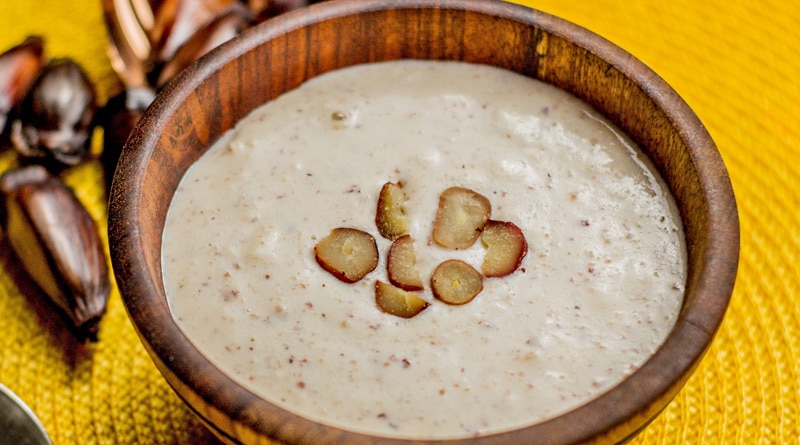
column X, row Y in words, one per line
column 461, row 216
column 349, row 254
column 396, row 301
column 505, row 248
column 401, row 264
column 390, row 217
column 456, row 282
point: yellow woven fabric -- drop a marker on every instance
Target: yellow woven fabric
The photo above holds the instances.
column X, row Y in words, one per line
column 737, row 64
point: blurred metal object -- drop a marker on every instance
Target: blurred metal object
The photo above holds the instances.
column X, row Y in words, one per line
column 18, row 424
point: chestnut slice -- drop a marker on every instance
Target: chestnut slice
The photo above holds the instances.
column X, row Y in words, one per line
column 401, row 264
column 456, row 282
column 460, row 217
column 348, row 254
column 390, row 216
column 505, row 248
column 398, row 302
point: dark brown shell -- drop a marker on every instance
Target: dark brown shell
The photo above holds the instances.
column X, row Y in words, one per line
column 118, row 117
column 55, row 120
column 19, row 66
column 58, row 244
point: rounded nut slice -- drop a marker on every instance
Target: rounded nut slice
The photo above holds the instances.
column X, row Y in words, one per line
column 390, row 217
column 456, row 282
column 398, row 302
column 401, row 264
column 460, row 217
column 349, row 254
column 505, row 248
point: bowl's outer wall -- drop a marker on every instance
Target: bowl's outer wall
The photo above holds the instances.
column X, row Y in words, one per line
column 212, row 95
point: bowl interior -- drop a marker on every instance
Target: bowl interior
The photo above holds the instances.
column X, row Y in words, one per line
column 213, row 95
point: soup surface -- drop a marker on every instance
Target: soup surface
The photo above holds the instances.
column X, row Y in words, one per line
column 598, row 291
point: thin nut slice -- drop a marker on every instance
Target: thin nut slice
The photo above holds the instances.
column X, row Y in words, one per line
column 456, row 282
column 396, row 301
column 461, row 216
column 390, row 217
column 505, row 248
column 349, row 254
column 401, row 264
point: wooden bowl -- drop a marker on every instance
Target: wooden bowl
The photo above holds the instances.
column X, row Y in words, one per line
column 215, row 93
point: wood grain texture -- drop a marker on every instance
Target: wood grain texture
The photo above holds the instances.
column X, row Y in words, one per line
column 223, row 87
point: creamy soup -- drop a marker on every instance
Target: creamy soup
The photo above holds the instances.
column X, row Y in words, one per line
column 597, row 293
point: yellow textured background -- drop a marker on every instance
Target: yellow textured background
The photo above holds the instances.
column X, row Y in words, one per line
column 736, row 63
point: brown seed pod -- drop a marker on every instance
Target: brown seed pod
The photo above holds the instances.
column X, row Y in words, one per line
column 118, row 117
column 53, row 123
column 271, row 8
column 223, row 27
column 176, row 21
column 57, row 243
column 19, row 66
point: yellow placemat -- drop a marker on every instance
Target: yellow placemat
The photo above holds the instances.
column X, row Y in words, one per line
column 737, row 64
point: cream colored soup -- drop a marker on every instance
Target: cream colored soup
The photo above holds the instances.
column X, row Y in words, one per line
column 597, row 293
